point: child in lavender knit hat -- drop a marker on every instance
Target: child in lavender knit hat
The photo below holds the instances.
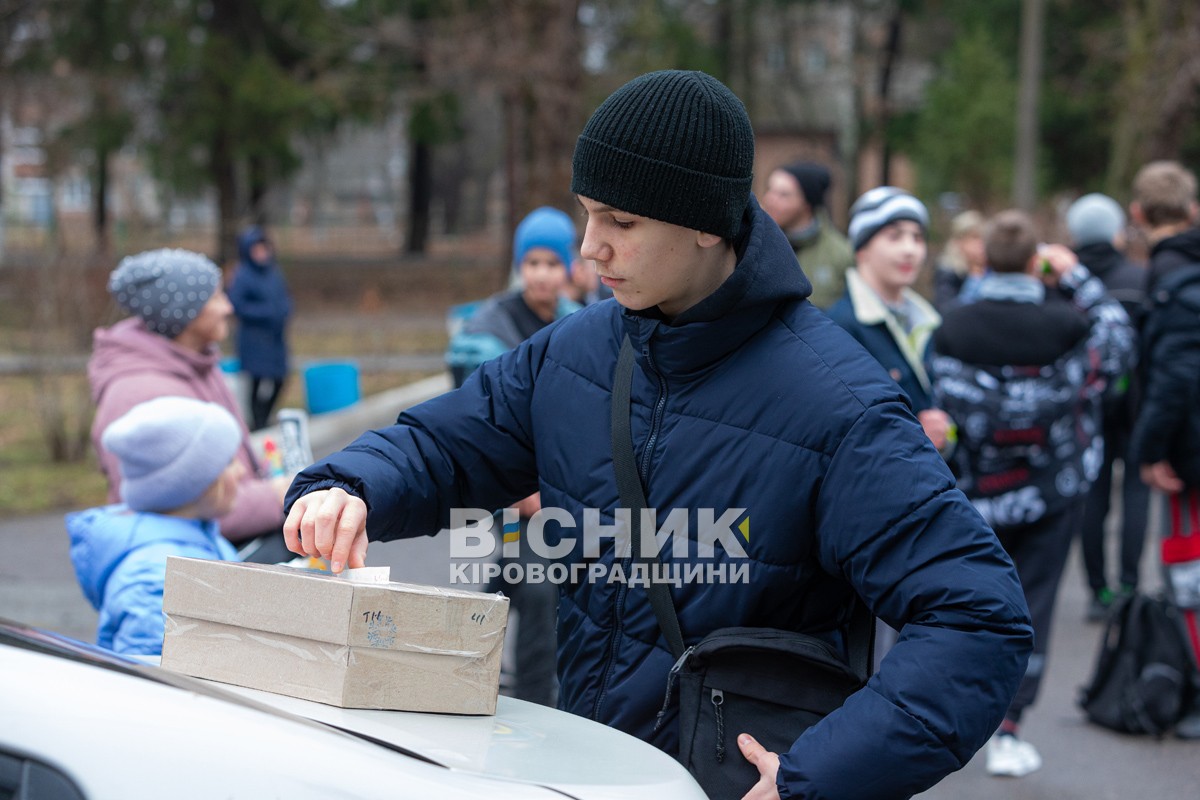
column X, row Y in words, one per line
column 179, row 473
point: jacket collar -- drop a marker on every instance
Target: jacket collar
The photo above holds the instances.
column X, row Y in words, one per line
column 766, row 276
column 1186, row 244
column 1101, row 258
column 869, row 309
column 1015, row 287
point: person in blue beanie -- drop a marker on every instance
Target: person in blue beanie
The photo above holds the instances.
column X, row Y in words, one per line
column 262, row 305
column 746, row 401
column 179, row 474
column 543, row 249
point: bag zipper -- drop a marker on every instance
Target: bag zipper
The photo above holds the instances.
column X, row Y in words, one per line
column 718, row 699
column 662, row 713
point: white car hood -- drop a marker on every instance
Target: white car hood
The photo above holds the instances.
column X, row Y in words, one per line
column 523, row 742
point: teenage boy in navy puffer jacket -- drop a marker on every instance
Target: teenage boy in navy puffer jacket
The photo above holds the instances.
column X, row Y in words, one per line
column 747, row 401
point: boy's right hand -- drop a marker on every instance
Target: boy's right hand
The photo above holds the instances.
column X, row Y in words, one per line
column 330, row 524
column 1059, row 258
column 1162, row 476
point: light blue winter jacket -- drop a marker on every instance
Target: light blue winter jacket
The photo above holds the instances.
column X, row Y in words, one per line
column 120, row 559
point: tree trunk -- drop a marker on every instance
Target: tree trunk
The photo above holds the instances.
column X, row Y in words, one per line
column 547, row 102
column 226, row 21
column 100, row 202
column 420, row 194
column 225, row 179
column 513, row 117
column 259, row 182
column 1033, row 14
column 891, row 53
column 1181, row 78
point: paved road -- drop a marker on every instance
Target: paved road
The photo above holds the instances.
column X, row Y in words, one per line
column 1083, row 762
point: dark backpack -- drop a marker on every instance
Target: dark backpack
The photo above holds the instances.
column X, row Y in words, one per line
column 1144, row 680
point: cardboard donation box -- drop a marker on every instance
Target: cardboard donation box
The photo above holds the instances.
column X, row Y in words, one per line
column 357, row 642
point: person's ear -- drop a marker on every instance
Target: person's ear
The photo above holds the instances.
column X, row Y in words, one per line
column 708, row 239
column 1137, row 215
column 1193, row 212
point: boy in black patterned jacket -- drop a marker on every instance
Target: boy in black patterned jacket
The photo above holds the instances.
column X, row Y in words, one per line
column 1022, row 371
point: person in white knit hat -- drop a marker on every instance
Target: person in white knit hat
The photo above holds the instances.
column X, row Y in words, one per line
column 179, row 474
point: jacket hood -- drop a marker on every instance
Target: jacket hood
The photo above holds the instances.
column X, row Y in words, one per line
column 1101, row 258
column 102, row 537
column 766, row 271
column 765, row 277
column 128, row 348
column 249, row 238
column 1183, row 248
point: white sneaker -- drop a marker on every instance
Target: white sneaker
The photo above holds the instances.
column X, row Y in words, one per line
column 1011, row 757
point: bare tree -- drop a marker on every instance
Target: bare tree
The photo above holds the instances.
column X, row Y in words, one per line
column 1033, row 17
column 1157, row 93
column 14, row 15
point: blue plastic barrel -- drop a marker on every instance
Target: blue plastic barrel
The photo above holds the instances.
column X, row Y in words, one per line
column 330, row 386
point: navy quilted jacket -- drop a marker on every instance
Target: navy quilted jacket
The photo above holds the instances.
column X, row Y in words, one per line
column 752, row 400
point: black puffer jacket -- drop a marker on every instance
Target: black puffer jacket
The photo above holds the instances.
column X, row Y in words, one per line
column 1168, row 426
column 1126, row 283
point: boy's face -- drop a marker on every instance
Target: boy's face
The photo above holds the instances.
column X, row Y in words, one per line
column 543, row 275
column 784, row 201
column 893, row 257
column 971, row 245
column 647, row 262
column 218, row 500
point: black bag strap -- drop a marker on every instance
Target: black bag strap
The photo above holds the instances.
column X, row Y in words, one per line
column 633, row 496
column 861, row 635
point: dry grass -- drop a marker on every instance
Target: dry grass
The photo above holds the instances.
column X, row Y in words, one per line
column 30, row 481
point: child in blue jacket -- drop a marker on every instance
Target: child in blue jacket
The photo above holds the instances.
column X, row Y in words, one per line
column 179, row 473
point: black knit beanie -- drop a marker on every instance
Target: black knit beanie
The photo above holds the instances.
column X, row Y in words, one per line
column 673, row 146
column 814, row 180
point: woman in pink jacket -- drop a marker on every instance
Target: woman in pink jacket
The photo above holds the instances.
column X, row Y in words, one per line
column 170, row 346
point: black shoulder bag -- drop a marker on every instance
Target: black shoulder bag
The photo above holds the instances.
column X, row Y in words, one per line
column 773, row 684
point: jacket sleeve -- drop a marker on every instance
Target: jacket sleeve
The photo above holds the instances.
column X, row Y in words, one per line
column 1111, row 338
column 468, row 350
column 926, row 563
column 258, row 299
column 1170, row 390
column 133, row 599
column 469, row 448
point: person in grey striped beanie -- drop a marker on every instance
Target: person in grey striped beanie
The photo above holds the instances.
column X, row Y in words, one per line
column 881, row 207
column 881, row 310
